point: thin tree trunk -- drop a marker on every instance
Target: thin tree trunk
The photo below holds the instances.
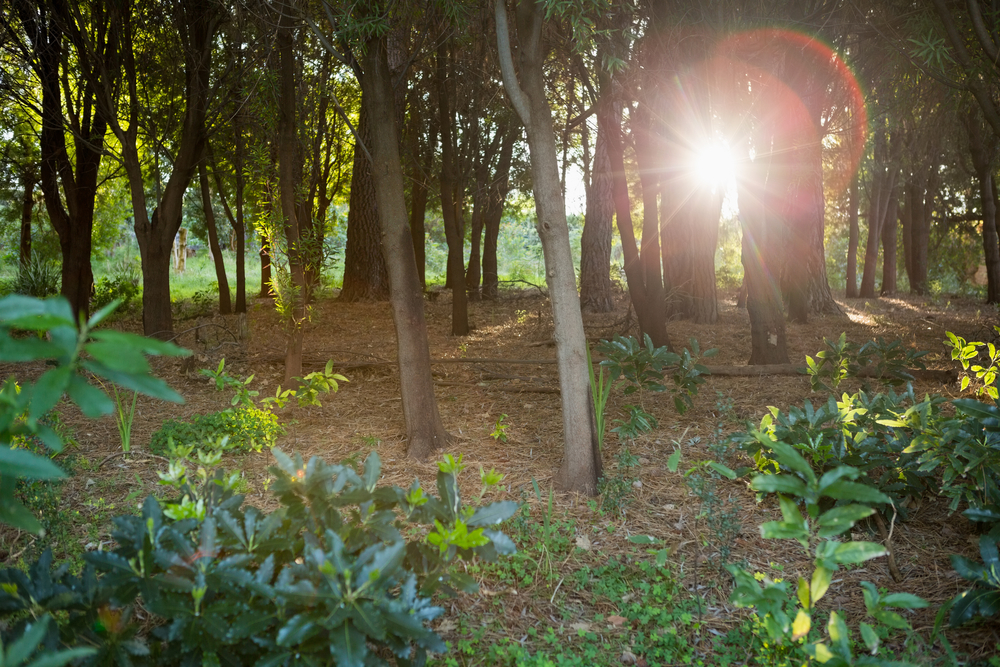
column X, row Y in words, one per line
column 424, row 428
column 852, row 240
column 982, row 150
column 225, row 306
column 649, row 252
column 889, row 227
column 581, row 467
column 499, row 188
column 28, row 182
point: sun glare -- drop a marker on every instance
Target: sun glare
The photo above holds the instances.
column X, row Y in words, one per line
column 714, row 164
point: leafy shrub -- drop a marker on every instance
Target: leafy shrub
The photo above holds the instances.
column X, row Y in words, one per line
column 887, row 362
column 247, row 429
column 985, row 371
column 112, row 355
column 40, row 278
column 984, row 598
column 342, row 567
column 124, row 283
column 787, row 620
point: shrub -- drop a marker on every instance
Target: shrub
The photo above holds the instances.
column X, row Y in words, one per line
column 247, row 429
column 40, row 278
column 341, row 568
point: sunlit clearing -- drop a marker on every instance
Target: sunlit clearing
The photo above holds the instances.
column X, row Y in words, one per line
column 714, row 164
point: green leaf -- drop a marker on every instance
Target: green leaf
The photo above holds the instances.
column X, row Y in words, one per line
column 792, row 486
column 25, row 312
column 503, row 544
column 820, row 583
column 780, row 530
column 494, row 513
column 870, row 637
column 140, row 343
column 124, row 358
column 788, row 457
column 13, row 513
column 28, row 465
column 347, row 644
column 857, row 552
column 144, row 384
column 674, row 460
column 298, row 628
column 373, row 468
column 904, row 601
column 92, row 401
column 844, row 490
column 28, row 349
column 839, row 519
column 642, row 539
column 26, row 644
column 722, row 470
column 47, row 390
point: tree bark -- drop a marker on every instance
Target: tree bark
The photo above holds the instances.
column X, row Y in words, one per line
column 982, row 151
column 451, row 196
column 595, row 243
column 424, row 428
column 851, row 288
column 581, row 467
column 499, row 188
column 225, row 305
column 646, row 153
column 365, row 272
column 885, row 170
column 28, row 182
column 235, row 221
column 889, row 243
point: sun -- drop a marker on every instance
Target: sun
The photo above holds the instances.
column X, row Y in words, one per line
column 713, row 164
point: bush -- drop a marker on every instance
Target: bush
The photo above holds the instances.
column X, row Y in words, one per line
column 246, row 428
column 340, row 574
column 40, row 278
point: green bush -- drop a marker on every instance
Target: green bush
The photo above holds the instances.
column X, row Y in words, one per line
column 247, row 429
column 341, row 574
column 40, row 278
column 107, row 290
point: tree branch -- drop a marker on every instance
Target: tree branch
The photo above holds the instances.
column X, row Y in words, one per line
column 514, row 92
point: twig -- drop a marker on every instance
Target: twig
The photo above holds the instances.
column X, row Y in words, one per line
column 887, row 538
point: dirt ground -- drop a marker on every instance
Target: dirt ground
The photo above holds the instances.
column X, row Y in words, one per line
column 472, row 396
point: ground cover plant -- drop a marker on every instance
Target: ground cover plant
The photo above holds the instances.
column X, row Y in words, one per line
column 580, row 589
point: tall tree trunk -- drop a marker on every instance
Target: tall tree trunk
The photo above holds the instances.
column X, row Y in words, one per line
column 762, row 249
column 634, row 278
column 595, row 243
column 852, row 240
column 265, row 269
column 884, row 176
column 418, row 234
column 424, row 429
column 499, row 188
column 451, row 195
column 225, row 305
column 28, row 182
column 921, row 231
column 236, row 222
column 581, row 467
column 646, row 145
column 983, row 151
column 889, row 242
column 365, row 272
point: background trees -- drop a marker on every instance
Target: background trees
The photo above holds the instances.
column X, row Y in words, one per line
column 672, row 123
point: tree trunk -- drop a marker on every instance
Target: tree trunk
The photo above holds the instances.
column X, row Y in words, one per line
column 889, row 227
column 28, row 182
column 649, row 162
column 424, row 429
column 884, row 175
column 852, row 241
column 237, row 224
column 365, row 272
column 634, row 278
column 982, row 151
column 595, row 243
column 225, row 306
column 921, row 231
column 581, row 467
column 418, row 234
column 499, row 188
column 451, row 195
column 762, row 251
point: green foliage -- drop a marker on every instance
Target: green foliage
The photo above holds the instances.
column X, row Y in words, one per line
column 18, row 652
column 787, row 621
column 984, row 598
column 639, row 421
column 40, row 278
column 316, row 383
column 123, row 284
column 247, row 429
column 721, row 516
column 600, row 390
column 124, row 416
column 499, row 433
column 339, row 574
column 887, row 362
column 243, row 396
column 111, row 355
column 982, row 359
column 616, row 489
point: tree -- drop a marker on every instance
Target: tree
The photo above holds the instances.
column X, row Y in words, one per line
column 581, row 467
column 983, row 150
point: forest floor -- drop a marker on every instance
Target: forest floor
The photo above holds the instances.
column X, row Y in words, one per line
column 579, row 592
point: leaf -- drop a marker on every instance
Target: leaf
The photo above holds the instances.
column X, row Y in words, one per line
column 642, row 539
column 857, row 552
column 144, row 384
column 803, row 593
column 788, row 457
column 47, row 390
column 905, row 601
column 373, row 468
column 844, row 490
column 786, row 484
column 494, row 513
column 140, row 343
column 840, row 519
column 298, row 628
column 347, row 644
column 674, row 460
column 722, row 470
column 28, row 465
column 801, row 625
column 820, row 583
column 92, row 401
column 870, row 637
column 503, row 544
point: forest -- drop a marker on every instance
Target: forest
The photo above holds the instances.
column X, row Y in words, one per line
column 706, row 293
